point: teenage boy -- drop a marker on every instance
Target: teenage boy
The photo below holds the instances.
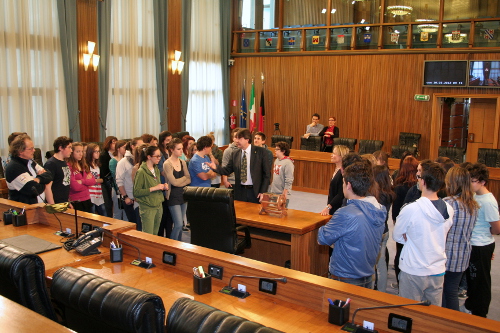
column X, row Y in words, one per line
column 259, row 140
column 282, row 170
column 228, row 181
column 58, row 191
column 422, row 226
column 483, row 243
column 199, row 170
column 355, row 229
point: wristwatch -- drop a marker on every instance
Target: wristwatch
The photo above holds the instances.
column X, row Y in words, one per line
column 328, row 206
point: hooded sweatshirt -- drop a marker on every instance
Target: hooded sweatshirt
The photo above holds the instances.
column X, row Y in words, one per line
column 282, row 175
column 356, row 230
column 426, row 229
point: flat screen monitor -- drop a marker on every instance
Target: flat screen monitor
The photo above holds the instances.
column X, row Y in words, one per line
column 484, row 74
column 445, row 73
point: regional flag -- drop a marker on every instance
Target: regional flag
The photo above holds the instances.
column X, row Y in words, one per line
column 262, row 112
column 253, row 123
column 243, row 109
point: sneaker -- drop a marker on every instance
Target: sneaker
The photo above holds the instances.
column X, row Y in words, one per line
column 462, row 294
column 184, row 228
column 464, row 309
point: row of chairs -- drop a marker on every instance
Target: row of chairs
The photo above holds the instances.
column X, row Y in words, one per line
column 85, row 302
column 487, row 156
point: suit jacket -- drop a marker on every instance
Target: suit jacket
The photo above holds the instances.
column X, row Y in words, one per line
column 259, row 170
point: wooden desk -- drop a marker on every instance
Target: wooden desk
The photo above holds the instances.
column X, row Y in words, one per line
column 300, row 305
column 16, row 318
column 293, row 237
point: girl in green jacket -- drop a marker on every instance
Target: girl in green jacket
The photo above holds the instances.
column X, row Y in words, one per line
column 148, row 190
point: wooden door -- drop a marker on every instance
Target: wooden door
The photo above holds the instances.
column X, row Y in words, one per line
column 481, row 126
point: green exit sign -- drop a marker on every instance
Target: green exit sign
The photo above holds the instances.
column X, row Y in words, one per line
column 424, row 98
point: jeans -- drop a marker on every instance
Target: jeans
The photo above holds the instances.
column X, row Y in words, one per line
column 365, row 282
column 101, row 210
column 178, row 212
column 381, row 265
column 450, row 290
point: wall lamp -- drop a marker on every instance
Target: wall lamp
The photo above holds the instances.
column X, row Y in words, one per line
column 177, row 65
column 87, row 57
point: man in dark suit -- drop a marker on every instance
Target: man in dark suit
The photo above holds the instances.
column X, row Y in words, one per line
column 251, row 169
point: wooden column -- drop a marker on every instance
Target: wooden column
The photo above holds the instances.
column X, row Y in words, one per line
column 88, row 94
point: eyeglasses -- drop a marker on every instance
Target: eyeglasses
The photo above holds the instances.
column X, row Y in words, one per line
column 32, row 148
column 97, row 151
column 157, row 156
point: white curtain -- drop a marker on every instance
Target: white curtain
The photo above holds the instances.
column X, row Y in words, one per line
column 133, row 103
column 205, row 103
column 32, row 93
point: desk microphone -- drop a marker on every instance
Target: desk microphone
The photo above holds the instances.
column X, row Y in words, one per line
column 352, row 327
column 62, row 233
column 138, row 262
column 240, row 294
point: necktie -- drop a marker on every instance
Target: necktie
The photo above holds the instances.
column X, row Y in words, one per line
column 244, row 168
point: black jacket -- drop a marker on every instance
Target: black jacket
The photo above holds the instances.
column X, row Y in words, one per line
column 21, row 182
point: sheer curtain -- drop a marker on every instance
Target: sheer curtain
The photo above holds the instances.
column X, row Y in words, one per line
column 32, row 92
column 132, row 100
column 205, row 111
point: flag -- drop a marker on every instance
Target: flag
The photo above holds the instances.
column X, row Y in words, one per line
column 243, row 109
column 253, row 123
column 262, row 112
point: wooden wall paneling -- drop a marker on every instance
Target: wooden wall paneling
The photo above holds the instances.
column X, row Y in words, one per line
column 88, row 94
column 371, row 95
column 174, row 17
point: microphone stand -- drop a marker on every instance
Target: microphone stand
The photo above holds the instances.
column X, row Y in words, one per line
column 136, row 262
column 352, row 327
column 61, row 232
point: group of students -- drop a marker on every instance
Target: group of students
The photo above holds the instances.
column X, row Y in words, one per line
column 444, row 216
column 139, row 180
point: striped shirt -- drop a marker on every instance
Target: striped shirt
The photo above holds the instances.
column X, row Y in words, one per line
column 458, row 245
column 96, row 190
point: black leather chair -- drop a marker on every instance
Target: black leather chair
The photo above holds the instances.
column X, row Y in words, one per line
column 211, row 215
column 180, row 135
column 311, row 143
column 454, row 153
column 187, row 316
column 92, row 304
column 409, row 139
column 348, row 142
column 278, row 138
column 370, row 146
column 38, row 156
column 489, row 157
column 398, row 151
column 22, row 279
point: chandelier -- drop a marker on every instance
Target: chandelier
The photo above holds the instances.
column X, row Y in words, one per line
column 400, row 10
column 427, row 27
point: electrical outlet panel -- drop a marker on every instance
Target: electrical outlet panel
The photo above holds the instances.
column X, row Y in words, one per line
column 215, row 271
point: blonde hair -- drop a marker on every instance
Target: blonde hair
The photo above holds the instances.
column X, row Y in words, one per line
column 342, row 150
column 371, row 158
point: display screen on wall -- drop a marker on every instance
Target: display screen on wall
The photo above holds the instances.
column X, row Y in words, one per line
column 445, row 73
column 484, row 74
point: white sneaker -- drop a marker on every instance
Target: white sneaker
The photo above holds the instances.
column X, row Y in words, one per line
column 464, row 309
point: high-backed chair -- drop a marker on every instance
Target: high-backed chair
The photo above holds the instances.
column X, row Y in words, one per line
column 398, row 151
column 49, row 154
column 454, row 153
column 489, row 157
column 179, row 135
column 187, row 315
column 348, row 142
column 278, row 138
column 38, row 156
column 93, row 304
column 409, row 139
column 370, row 146
column 22, row 279
column 311, row 143
column 211, row 214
